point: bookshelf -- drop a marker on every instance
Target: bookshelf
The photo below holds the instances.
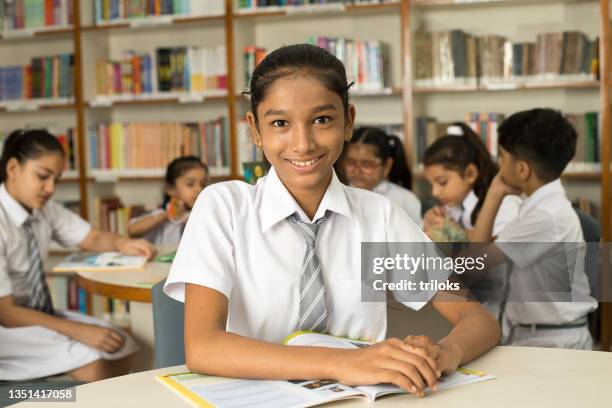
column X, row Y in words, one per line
column 400, row 100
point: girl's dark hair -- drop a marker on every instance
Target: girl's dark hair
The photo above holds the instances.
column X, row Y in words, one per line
column 457, row 153
column 29, row 144
column 387, row 147
column 177, row 168
column 299, row 58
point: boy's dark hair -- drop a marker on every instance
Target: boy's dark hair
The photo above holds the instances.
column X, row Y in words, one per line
column 177, row 168
column 299, row 58
column 543, row 138
column 387, row 147
column 457, row 153
column 29, row 144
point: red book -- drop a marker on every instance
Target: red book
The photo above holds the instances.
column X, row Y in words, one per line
column 136, row 81
column 49, row 17
column 27, row 82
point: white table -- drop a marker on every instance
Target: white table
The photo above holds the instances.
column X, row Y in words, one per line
column 526, row 377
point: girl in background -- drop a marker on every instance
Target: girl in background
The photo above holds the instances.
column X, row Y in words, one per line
column 186, row 177
column 375, row 161
column 37, row 340
column 460, row 169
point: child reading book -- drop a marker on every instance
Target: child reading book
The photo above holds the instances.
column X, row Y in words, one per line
column 38, row 340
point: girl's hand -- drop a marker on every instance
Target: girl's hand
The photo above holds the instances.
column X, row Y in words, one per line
column 434, row 218
column 447, row 356
column 390, row 361
column 98, row 337
column 136, row 247
column 177, row 211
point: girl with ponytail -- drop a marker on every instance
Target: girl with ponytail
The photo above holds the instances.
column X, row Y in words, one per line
column 460, row 170
column 375, row 161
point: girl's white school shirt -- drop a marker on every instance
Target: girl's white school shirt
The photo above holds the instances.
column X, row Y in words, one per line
column 52, row 221
column 403, row 197
column 508, row 211
column 239, row 242
column 167, row 233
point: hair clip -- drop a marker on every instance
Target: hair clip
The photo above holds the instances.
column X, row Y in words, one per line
column 454, row 130
column 391, row 142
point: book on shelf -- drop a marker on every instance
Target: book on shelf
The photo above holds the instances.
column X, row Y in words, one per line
column 120, row 147
column 247, row 151
column 48, row 77
column 364, row 60
column 486, row 125
column 178, row 69
column 257, row 4
column 457, row 58
column 252, row 57
column 33, row 14
column 65, row 293
column 107, row 11
column 202, row 391
column 111, row 214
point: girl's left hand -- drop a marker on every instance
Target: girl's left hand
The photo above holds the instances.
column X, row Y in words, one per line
column 136, row 247
column 447, row 356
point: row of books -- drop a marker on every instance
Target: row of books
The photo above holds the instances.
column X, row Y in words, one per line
column 67, row 138
column 29, row 14
column 112, row 10
column 363, row 60
column 455, row 57
column 180, row 69
column 249, row 4
column 247, row 151
column 119, row 146
column 65, row 293
column 252, row 57
column 486, row 124
column 44, row 77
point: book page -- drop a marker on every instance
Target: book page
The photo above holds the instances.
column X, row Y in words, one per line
column 89, row 261
column 205, row 391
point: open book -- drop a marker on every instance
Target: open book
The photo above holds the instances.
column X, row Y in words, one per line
column 104, row 261
column 204, row 391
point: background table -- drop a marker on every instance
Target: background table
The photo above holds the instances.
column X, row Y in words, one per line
column 526, row 377
column 135, row 287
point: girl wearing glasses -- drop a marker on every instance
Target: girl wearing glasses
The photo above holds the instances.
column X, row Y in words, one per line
column 375, row 161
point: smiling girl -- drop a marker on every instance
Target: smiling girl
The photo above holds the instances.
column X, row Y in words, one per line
column 259, row 262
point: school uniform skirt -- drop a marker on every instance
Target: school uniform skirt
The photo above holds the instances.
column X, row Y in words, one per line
column 34, row 351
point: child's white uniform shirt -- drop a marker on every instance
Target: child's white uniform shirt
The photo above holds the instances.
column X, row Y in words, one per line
column 167, row 233
column 508, row 210
column 403, row 197
column 239, row 242
column 546, row 217
column 33, row 351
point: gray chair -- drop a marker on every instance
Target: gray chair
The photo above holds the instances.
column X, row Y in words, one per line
column 591, row 231
column 168, row 326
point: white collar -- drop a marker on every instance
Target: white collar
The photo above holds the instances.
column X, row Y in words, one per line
column 277, row 203
column 382, row 187
column 469, row 202
column 552, row 188
column 15, row 211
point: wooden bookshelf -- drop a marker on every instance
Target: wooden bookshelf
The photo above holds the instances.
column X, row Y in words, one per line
column 81, row 35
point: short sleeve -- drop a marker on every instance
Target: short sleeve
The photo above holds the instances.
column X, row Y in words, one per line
column 205, row 255
column 405, row 236
column 514, row 240
column 68, row 228
column 508, row 211
column 5, row 282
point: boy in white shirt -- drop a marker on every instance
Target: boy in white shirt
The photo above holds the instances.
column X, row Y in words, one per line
column 548, row 293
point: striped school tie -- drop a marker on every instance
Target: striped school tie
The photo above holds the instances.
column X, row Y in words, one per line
column 40, row 298
column 313, row 314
